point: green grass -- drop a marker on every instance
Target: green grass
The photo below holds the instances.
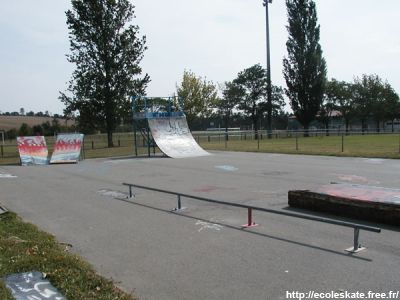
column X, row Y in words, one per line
column 25, row 248
column 383, row 145
column 377, row 145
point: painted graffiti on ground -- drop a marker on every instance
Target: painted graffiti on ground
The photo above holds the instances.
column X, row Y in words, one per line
column 32, row 286
column 113, row 194
column 356, row 179
column 375, row 161
column 32, row 150
column 206, row 225
column 227, row 168
column 362, row 192
column 67, row 148
column 5, row 175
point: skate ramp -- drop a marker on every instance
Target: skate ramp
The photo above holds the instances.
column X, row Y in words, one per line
column 67, row 148
column 173, row 137
column 32, row 150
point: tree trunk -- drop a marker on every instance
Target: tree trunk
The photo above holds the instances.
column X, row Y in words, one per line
column 362, row 126
column 327, row 128
column 392, row 125
column 306, row 134
column 110, row 139
column 226, row 128
column 347, row 126
column 377, row 126
column 255, row 125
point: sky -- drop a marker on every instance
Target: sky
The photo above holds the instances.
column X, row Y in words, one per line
column 215, row 39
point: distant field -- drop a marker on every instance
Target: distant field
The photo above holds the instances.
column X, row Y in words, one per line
column 10, row 122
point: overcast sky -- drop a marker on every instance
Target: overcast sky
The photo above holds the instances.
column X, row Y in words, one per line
column 213, row 38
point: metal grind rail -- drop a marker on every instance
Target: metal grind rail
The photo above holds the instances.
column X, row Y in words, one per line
column 357, row 227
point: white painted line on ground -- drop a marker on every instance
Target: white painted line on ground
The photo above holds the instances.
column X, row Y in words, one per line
column 227, row 168
column 4, row 175
column 113, row 194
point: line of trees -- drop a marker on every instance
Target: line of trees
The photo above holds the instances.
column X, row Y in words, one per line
column 311, row 96
column 46, row 128
column 366, row 98
column 244, row 97
column 106, row 49
column 32, row 114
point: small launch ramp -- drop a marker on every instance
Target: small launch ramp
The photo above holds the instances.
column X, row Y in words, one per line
column 32, row 150
column 67, row 148
column 173, row 137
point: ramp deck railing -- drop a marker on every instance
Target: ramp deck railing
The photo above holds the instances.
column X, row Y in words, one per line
column 357, row 227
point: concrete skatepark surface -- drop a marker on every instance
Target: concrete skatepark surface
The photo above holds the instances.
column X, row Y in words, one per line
column 202, row 253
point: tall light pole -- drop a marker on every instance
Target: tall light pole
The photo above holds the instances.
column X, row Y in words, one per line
column 269, row 87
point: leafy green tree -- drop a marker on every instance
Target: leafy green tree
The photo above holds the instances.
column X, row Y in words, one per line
column 325, row 113
column 24, row 130
column 47, row 130
column 251, row 86
column 55, row 125
column 106, row 49
column 368, row 99
column 392, row 104
column 230, row 99
column 277, row 102
column 11, row 134
column 340, row 95
column 199, row 96
column 304, row 68
column 37, row 130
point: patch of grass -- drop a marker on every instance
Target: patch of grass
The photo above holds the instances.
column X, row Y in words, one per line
column 368, row 145
column 24, row 248
column 382, row 145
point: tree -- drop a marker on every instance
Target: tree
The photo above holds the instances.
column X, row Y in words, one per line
column 106, row 50
column 368, row 99
column 392, row 104
column 24, row 130
column 304, row 68
column 325, row 113
column 251, row 85
column 199, row 96
column 11, row 134
column 339, row 93
column 37, row 130
column 230, row 99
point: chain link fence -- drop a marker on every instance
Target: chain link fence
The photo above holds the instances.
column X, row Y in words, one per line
column 352, row 143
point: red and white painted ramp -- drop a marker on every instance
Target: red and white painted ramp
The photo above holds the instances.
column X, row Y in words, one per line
column 173, row 137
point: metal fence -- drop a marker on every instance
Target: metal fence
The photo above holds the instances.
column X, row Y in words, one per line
column 357, row 227
column 352, row 143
